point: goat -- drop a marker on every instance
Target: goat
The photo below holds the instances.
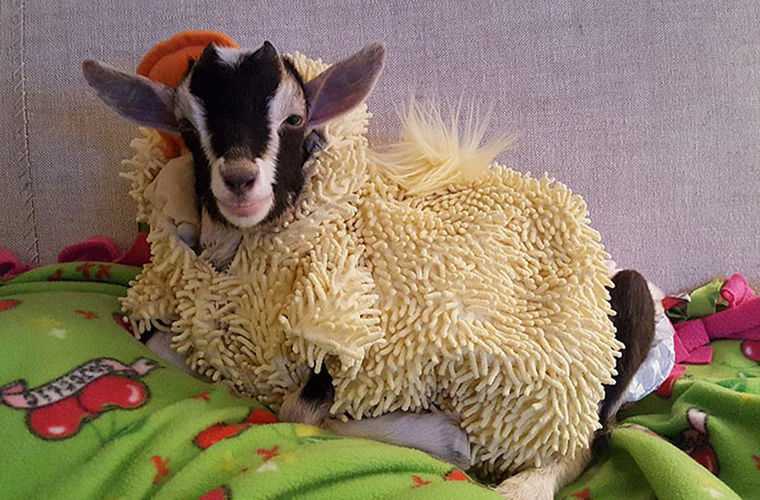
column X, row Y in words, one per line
column 251, row 122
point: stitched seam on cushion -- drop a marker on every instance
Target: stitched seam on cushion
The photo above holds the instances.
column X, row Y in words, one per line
column 31, row 235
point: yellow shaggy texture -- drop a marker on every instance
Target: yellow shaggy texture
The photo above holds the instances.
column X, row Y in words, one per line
column 481, row 292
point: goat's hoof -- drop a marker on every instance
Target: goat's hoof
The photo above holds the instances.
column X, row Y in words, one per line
column 295, row 410
column 458, row 450
column 449, row 441
column 526, row 487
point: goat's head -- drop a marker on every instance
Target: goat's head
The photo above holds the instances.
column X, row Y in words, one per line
column 244, row 115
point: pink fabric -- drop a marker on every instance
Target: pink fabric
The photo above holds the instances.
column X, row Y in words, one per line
column 96, row 248
column 103, row 249
column 666, row 388
column 138, row 254
column 682, row 353
column 741, row 322
column 10, row 265
column 692, row 334
column 669, row 302
column 736, row 291
column 701, row 355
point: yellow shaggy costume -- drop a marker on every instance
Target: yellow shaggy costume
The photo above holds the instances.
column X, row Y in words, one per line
column 425, row 277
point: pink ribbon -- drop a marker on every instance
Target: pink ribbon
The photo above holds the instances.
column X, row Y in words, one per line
column 94, row 249
column 103, row 249
column 736, row 291
column 10, row 265
column 741, row 321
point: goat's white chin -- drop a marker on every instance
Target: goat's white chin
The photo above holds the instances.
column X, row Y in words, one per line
column 246, row 214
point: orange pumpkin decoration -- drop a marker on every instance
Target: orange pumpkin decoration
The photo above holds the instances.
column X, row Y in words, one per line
column 167, row 63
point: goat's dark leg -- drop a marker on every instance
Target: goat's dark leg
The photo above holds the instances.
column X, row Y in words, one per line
column 634, row 321
column 434, row 432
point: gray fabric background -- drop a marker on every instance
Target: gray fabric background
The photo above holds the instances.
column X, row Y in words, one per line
column 649, row 109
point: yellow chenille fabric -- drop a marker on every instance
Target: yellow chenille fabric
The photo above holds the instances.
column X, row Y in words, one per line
column 481, row 291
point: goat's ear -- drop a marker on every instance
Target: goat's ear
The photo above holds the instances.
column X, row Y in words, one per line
column 344, row 85
column 135, row 97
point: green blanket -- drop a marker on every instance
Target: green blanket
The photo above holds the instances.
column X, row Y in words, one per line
column 90, row 413
column 701, row 441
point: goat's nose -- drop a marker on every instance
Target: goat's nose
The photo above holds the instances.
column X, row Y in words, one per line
column 239, row 180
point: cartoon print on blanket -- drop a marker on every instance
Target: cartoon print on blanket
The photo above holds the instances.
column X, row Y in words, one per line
column 751, row 349
column 220, row 493
column 6, row 305
column 58, row 409
column 119, row 427
column 696, row 438
column 215, row 433
column 696, row 441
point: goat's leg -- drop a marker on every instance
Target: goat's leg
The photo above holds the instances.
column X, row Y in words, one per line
column 435, row 432
column 634, row 322
column 311, row 403
column 542, row 483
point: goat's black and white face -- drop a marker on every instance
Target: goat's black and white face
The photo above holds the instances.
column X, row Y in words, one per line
column 244, row 115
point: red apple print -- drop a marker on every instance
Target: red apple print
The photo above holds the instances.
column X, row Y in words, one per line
column 217, row 432
column 268, row 453
column 123, row 322
column 706, row 457
column 57, row 409
column 7, row 305
column 203, row 395
column 86, row 314
column 261, row 417
column 139, row 253
column 756, row 458
column 456, row 475
column 220, row 493
column 56, row 276
column 85, row 269
column 59, row 420
column 584, row 494
column 670, row 302
column 162, row 468
column 113, row 391
column 697, row 440
column 697, row 420
column 666, row 388
column 104, row 272
column 417, row 481
column 751, row 349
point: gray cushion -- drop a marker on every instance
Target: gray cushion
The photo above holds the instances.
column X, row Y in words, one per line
column 651, row 110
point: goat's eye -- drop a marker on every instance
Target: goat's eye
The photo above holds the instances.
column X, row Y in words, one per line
column 294, row 120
